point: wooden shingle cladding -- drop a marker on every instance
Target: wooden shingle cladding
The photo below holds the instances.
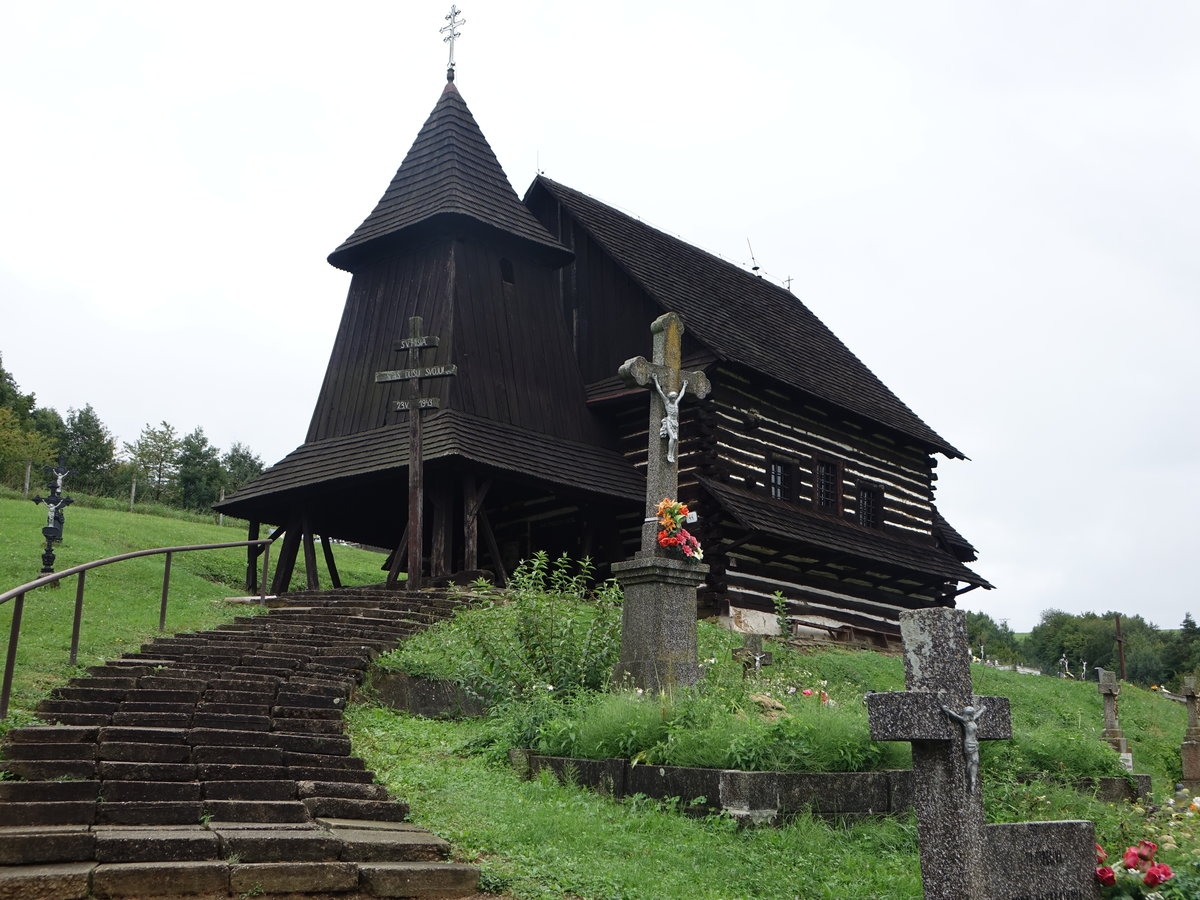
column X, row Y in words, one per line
column 513, row 354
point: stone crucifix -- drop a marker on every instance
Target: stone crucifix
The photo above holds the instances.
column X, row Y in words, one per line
column 1190, row 749
column 668, row 385
column 945, row 722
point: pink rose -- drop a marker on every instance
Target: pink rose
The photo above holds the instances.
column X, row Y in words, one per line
column 1106, row 876
column 1157, row 874
column 1101, row 855
column 1147, row 849
column 807, row 692
column 1131, row 858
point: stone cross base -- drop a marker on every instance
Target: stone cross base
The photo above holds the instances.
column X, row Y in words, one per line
column 1041, row 861
column 658, row 622
column 1190, row 752
column 1116, row 739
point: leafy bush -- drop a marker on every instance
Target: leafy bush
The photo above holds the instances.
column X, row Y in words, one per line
column 552, row 633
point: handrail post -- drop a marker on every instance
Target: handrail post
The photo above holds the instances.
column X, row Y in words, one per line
column 262, row 582
column 10, row 660
column 162, row 610
column 78, row 617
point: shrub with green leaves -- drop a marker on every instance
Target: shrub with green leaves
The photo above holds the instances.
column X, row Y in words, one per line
column 552, row 632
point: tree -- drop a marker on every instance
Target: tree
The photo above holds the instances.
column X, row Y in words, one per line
column 19, row 446
column 11, row 397
column 996, row 638
column 200, row 474
column 156, row 455
column 240, row 466
column 46, row 421
column 90, row 448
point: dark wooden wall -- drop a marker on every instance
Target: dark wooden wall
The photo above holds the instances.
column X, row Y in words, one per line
column 497, row 316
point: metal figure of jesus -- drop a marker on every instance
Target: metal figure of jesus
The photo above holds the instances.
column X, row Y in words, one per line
column 669, row 428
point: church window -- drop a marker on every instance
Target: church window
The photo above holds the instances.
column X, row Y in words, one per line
column 870, row 507
column 780, row 475
column 506, row 271
column 827, row 486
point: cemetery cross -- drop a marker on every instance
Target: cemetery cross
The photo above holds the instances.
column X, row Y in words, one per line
column 658, row 617
column 945, row 722
column 1190, row 749
column 55, row 520
column 414, row 404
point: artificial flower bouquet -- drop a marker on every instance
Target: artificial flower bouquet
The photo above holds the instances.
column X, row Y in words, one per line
column 671, row 534
column 1136, row 876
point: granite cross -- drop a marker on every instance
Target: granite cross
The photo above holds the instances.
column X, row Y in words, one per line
column 1109, row 690
column 1190, row 749
column 948, row 801
column 658, row 616
column 945, row 721
column 414, row 404
column 668, row 384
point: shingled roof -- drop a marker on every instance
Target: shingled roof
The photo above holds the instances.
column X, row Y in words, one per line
column 797, row 526
column 743, row 318
column 450, row 172
column 504, row 447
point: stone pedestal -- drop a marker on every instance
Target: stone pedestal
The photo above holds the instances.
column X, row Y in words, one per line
column 658, row 622
column 1190, row 752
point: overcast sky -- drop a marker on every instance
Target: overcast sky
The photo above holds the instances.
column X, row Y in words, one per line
column 993, row 204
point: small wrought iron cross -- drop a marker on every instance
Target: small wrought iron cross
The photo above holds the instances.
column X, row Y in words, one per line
column 451, row 31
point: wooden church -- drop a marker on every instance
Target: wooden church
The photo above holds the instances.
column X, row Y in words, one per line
column 500, row 325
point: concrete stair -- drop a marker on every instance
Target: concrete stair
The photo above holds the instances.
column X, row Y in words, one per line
column 213, row 764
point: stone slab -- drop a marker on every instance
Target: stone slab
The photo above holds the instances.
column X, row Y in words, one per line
column 160, row 845
column 249, row 790
column 256, row 810
column 150, row 812
column 64, row 813
column 149, row 879
column 418, row 879
column 605, row 776
column 339, row 807
column 53, row 734
column 60, row 881
column 278, row 845
column 43, row 847
column 391, row 846
column 350, row 790
column 367, row 824
column 48, row 791
column 292, row 877
column 662, row 782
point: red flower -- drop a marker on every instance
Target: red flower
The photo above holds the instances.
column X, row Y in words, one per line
column 1147, row 849
column 1132, row 859
column 1106, row 875
column 1101, row 855
column 1157, row 874
column 807, row 692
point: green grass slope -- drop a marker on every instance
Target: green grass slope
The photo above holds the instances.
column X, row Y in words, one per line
column 121, row 603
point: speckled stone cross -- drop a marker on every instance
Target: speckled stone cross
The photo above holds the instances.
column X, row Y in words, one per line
column 949, row 808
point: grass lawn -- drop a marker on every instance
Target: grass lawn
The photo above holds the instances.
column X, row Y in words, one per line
column 122, row 600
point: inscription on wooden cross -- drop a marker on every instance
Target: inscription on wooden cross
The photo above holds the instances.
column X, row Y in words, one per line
column 414, row 404
column 945, row 723
column 668, row 385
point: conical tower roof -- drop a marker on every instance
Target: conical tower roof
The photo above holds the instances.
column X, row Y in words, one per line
column 450, row 176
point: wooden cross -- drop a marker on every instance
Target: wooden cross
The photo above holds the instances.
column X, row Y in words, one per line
column 669, row 385
column 414, row 404
column 451, row 32
column 945, row 722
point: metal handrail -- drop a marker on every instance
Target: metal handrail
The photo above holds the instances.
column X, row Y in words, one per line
column 17, row 595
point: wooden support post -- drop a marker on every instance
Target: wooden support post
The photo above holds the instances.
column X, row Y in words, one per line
column 442, row 542
column 493, row 548
column 252, row 554
column 310, row 559
column 287, row 558
column 472, row 503
column 398, row 556
column 334, row 578
column 416, row 501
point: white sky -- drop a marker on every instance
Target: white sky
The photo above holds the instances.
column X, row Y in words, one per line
column 993, row 204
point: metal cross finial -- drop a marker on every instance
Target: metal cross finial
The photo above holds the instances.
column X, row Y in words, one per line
column 451, row 32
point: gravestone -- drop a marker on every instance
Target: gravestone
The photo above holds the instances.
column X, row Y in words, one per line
column 1109, row 690
column 1190, row 751
column 658, row 618
column 752, row 655
column 945, row 721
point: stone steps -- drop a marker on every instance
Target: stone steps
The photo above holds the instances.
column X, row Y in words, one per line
column 214, row 762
